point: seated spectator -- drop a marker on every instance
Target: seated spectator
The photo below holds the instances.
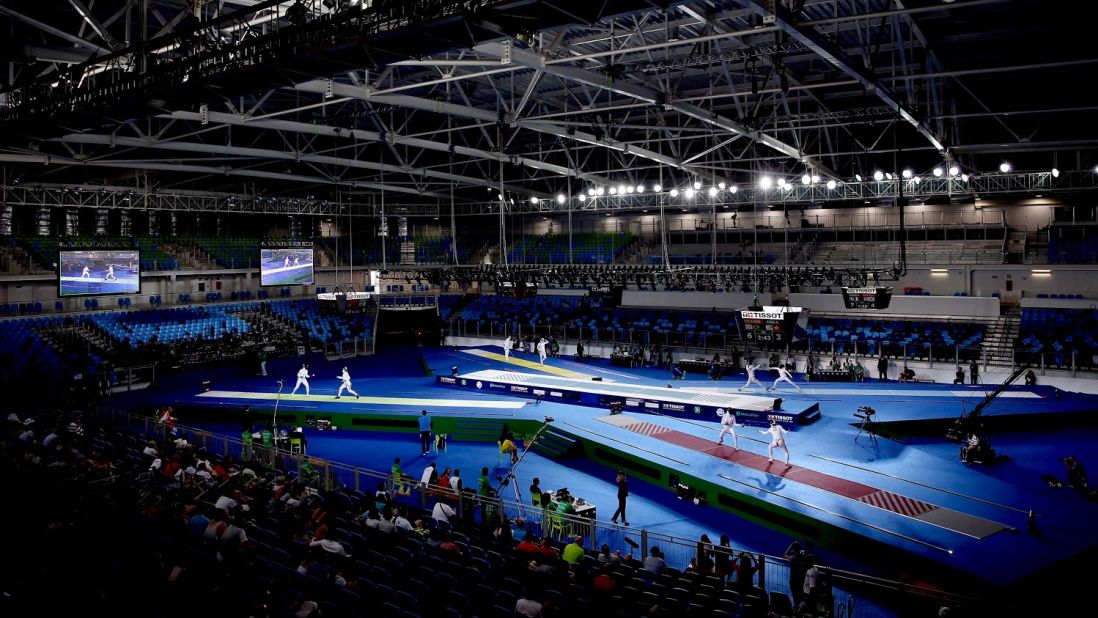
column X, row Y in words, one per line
column 1031, row 378
column 331, row 545
column 655, row 563
column 442, row 512
column 528, row 545
column 529, row 608
column 573, row 552
column 609, row 558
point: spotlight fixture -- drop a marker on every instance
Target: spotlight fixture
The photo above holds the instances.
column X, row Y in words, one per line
column 815, row 179
column 806, row 179
column 937, row 172
column 697, row 185
column 888, row 175
column 878, row 175
column 689, row 193
column 582, row 198
column 591, row 192
column 1004, row 167
column 831, row 185
column 674, row 192
column 629, row 189
column 657, row 188
column 907, row 174
column 765, row 182
column 916, row 180
column 1055, row 173
column 858, row 177
column 964, row 177
column 621, row 189
column 600, row 191
column 720, row 185
column 788, row 186
column 712, row 192
column 733, row 189
column 560, row 198
column 640, row 188
column 954, row 170
column 534, row 199
column 501, row 197
column 613, row 190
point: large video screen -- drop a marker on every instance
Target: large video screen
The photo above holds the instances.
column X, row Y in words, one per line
column 83, row 272
column 286, row 266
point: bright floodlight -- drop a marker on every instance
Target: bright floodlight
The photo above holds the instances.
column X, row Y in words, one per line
column 613, row 190
column 582, row 198
column 689, row 193
column 781, row 182
column 1004, row 167
column 954, row 170
column 640, row 188
column 674, row 192
column 806, row 179
column 720, row 185
column 907, row 173
column 937, row 172
column 788, row 186
column 1055, row 173
column 629, row 189
column 501, row 197
column 657, row 188
column 697, row 185
column 878, row 175
column 815, row 179
column 733, row 189
column 964, row 177
column 888, row 175
column 591, row 192
column 533, row 199
column 765, row 182
column 621, row 189
column 560, row 198
column 917, row 180
column 600, row 191
column 831, row 184
column 712, row 192
column 858, row 177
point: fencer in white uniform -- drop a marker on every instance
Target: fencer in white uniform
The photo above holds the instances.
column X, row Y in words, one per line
column 751, row 379
column 729, row 425
column 110, row 274
column 345, row 385
column 86, row 273
column 777, row 440
column 541, row 350
column 286, row 264
column 783, row 376
column 302, row 380
column 507, row 343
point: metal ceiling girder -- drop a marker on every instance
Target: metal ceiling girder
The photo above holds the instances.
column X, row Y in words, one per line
column 362, row 134
column 837, row 58
column 652, row 96
column 261, row 153
column 463, row 111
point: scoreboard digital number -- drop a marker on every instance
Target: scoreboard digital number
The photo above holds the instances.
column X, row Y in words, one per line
column 768, row 326
column 867, row 298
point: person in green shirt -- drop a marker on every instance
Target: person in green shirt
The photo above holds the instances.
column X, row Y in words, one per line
column 484, row 484
column 573, row 552
column 565, row 507
column 400, row 486
column 246, row 440
column 307, row 473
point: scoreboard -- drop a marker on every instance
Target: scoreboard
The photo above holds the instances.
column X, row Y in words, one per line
column 867, row 298
column 777, row 325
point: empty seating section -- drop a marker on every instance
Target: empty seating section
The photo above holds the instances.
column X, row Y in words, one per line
column 1071, row 244
column 513, row 312
column 368, row 252
column 1057, row 335
column 153, row 257
column 228, row 252
column 726, row 254
column 43, row 249
column 446, row 305
column 918, row 252
column 134, row 328
column 915, row 339
column 322, row 327
column 439, row 250
column 23, row 350
column 598, row 248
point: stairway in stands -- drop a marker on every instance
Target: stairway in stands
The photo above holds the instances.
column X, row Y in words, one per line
column 82, row 338
column 1000, row 338
column 555, row 444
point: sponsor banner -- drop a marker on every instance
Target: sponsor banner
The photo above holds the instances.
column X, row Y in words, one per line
column 494, row 385
column 480, row 384
column 447, row 380
column 539, row 392
column 674, row 407
column 633, row 403
column 515, row 388
column 556, row 394
column 781, row 418
column 762, row 315
column 652, row 404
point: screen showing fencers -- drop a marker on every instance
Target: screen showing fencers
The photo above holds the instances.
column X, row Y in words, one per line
column 83, row 272
column 285, row 266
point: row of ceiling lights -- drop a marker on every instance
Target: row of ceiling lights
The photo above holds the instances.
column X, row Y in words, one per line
column 766, row 182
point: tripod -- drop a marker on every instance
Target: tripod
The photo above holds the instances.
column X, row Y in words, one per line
column 507, row 479
column 866, row 425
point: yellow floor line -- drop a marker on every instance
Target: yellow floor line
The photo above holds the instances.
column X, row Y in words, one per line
column 521, row 362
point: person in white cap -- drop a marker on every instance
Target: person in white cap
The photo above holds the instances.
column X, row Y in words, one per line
column 302, row 379
column 729, row 425
column 751, row 379
column 783, row 376
column 346, row 384
column 777, row 440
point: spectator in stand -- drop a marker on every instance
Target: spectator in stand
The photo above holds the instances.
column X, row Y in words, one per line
column 1031, row 378
column 606, row 557
column 574, row 552
column 654, row 563
column 974, row 372
column 429, row 476
column 527, row 607
column 746, row 566
column 722, row 558
column 528, row 545
column 442, row 512
column 455, row 482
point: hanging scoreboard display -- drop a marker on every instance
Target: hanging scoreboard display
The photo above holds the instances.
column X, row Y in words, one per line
column 777, row 325
column 867, row 298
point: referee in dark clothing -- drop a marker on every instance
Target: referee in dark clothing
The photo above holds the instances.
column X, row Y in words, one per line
column 882, row 369
column 623, row 493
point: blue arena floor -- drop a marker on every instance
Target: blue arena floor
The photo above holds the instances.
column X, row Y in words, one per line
column 914, row 470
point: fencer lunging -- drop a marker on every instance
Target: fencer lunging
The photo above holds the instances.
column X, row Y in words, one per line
column 777, row 440
column 302, row 380
column 345, row 385
column 729, row 425
column 751, row 379
column 783, row 376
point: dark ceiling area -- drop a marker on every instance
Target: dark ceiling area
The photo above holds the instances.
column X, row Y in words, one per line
column 446, row 102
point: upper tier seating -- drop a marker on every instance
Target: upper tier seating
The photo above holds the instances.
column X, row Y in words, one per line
column 600, row 248
column 1056, row 334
